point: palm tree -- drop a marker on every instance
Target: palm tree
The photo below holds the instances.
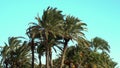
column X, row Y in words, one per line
column 24, row 52
column 95, row 57
column 32, row 37
column 72, row 30
column 15, row 54
column 84, row 56
column 48, row 27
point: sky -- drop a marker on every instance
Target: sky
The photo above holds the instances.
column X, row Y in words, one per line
column 101, row 16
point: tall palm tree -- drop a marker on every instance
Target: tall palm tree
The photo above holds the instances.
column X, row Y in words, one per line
column 32, row 37
column 48, row 27
column 72, row 30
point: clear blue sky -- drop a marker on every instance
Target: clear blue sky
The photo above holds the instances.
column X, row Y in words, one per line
column 101, row 16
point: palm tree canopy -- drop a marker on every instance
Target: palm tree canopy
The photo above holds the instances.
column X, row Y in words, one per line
column 47, row 25
column 16, row 52
column 101, row 44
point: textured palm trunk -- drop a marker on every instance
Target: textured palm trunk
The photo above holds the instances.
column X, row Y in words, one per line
column 51, row 63
column 32, row 49
column 64, row 51
column 47, row 57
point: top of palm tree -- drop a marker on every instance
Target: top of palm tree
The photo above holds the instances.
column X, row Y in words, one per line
column 47, row 24
column 100, row 44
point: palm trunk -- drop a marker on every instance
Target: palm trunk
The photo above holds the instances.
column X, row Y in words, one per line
column 51, row 63
column 47, row 57
column 32, row 49
column 40, row 63
column 63, row 54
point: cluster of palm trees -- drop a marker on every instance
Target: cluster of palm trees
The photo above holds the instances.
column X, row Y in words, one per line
column 53, row 31
column 94, row 56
